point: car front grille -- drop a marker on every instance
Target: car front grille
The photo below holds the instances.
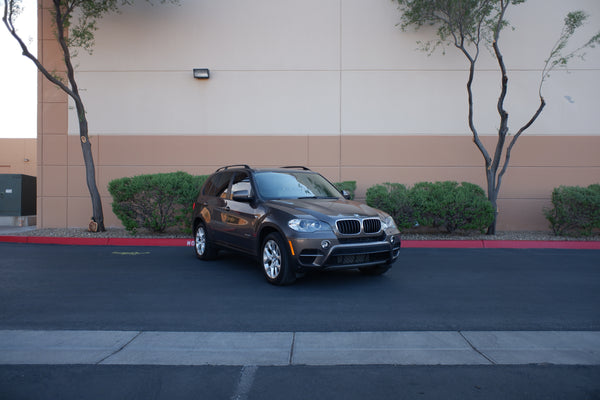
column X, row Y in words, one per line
column 348, row 226
column 353, row 226
column 371, row 225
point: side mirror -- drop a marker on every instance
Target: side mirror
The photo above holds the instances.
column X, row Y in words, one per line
column 242, row 195
column 346, row 194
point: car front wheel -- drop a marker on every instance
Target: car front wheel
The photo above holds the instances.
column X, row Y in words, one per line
column 203, row 247
column 275, row 261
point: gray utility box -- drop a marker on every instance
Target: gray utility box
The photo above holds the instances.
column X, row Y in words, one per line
column 17, row 195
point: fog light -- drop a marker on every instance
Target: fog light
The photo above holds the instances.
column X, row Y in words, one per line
column 392, row 239
column 325, row 244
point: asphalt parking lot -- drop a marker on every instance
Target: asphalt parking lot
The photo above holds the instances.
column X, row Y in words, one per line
column 158, row 314
column 168, row 289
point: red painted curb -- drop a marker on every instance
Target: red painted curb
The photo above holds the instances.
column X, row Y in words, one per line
column 67, row 240
column 406, row 244
column 540, row 244
column 13, row 239
column 501, row 244
column 442, row 244
column 181, row 242
column 150, row 242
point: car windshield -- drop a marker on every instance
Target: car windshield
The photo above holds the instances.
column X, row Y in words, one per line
column 294, row 185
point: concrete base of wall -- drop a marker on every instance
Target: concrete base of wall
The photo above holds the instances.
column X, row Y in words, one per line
column 18, row 221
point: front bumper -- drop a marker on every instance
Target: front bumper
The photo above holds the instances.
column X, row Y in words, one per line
column 331, row 253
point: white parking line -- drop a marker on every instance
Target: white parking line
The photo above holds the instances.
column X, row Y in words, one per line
column 245, row 383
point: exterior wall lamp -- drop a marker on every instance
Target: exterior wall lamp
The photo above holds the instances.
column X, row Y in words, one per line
column 201, row 73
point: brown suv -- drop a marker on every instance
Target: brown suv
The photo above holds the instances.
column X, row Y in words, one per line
column 292, row 220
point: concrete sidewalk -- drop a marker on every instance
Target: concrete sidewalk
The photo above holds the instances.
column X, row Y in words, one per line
column 9, row 229
column 299, row 348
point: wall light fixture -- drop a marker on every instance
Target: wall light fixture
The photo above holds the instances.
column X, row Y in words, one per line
column 201, row 73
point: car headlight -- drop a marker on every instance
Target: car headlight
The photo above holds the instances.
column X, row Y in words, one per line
column 307, row 225
column 387, row 222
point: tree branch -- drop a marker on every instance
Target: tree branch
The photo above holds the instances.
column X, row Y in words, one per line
column 503, row 129
column 8, row 22
column 472, row 61
column 516, row 137
column 472, row 127
column 61, row 18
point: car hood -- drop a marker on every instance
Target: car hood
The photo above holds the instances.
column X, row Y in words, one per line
column 324, row 209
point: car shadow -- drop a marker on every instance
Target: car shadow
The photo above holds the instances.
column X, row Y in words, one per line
column 337, row 278
column 246, row 266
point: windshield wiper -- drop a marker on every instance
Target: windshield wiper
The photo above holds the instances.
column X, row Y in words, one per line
column 317, row 197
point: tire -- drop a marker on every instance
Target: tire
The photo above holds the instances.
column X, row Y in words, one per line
column 203, row 248
column 275, row 261
column 376, row 269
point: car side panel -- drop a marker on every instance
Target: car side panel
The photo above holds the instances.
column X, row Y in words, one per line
column 240, row 221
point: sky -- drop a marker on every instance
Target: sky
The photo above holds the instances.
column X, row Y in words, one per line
column 18, row 77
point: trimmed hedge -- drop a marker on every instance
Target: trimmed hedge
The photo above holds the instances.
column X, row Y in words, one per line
column 350, row 186
column 155, row 202
column 447, row 205
column 394, row 199
column 575, row 211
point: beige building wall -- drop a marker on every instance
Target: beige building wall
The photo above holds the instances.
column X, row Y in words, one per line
column 331, row 84
column 18, row 156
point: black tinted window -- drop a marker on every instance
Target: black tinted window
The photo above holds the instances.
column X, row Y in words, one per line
column 217, row 184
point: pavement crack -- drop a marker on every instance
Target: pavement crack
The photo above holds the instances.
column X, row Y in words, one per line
column 476, row 349
column 290, row 361
column 119, row 349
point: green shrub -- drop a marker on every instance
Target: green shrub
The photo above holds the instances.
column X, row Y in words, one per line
column 452, row 206
column 155, row 202
column 575, row 211
column 446, row 205
column 349, row 186
column 394, row 199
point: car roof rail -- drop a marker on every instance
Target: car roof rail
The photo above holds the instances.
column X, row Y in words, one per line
column 233, row 166
column 297, row 167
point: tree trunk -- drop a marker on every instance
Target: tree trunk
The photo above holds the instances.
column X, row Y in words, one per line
column 492, row 191
column 97, row 224
column 90, row 175
column 90, row 170
column 61, row 16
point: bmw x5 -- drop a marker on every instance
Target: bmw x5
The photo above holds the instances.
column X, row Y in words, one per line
column 291, row 220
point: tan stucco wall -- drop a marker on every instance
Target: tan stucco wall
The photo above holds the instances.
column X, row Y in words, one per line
column 18, row 156
column 350, row 98
column 539, row 164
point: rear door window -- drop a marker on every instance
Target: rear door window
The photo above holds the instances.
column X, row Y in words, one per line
column 218, row 184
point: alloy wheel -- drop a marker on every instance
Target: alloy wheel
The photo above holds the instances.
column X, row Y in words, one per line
column 200, row 240
column 272, row 259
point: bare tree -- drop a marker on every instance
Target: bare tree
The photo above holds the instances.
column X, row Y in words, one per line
column 74, row 22
column 470, row 26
